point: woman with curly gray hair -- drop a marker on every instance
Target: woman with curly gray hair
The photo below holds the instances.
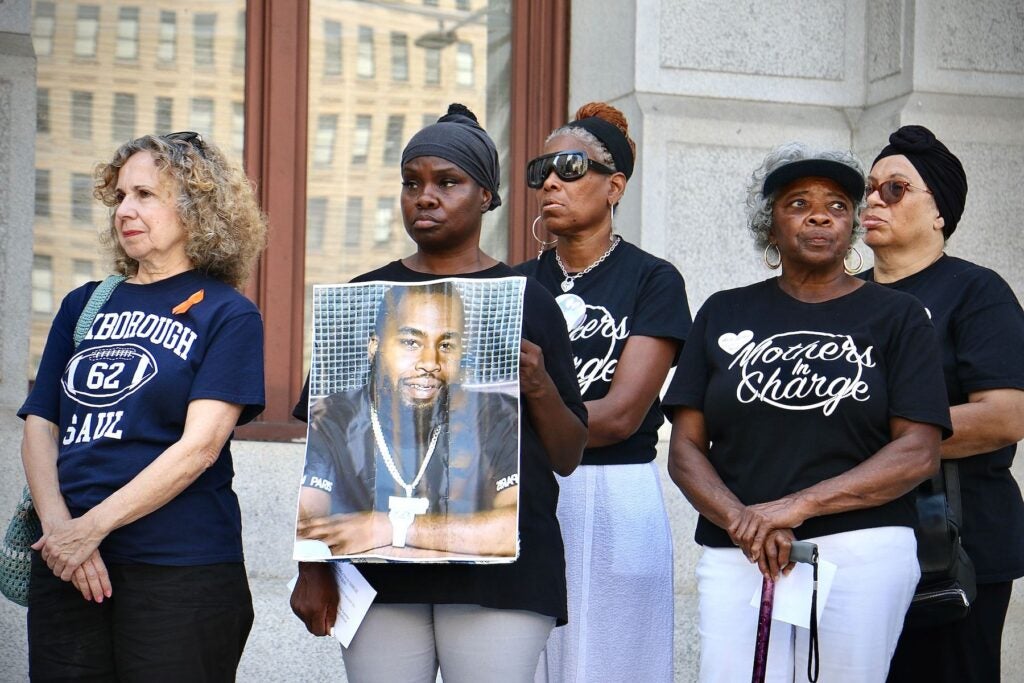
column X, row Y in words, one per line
column 807, row 406
column 127, row 432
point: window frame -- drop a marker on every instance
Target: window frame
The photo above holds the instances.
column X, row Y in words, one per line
column 277, row 70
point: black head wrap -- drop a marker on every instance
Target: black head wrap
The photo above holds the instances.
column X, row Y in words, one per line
column 458, row 137
column 613, row 139
column 940, row 169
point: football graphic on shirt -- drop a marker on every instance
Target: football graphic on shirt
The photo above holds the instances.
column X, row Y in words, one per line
column 103, row 375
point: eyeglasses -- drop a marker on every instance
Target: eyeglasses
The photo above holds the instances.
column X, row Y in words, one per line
column 892, row 191
column 569, row 166
column 190, row 137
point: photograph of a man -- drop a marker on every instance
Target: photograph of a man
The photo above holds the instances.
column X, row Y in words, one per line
column 414, row 464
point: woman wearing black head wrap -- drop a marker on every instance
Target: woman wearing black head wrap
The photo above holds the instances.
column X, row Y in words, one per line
column 916, row 194
column 475, row 622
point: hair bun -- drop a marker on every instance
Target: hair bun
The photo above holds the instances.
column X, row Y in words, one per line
column 456, row 110
column 913, row 139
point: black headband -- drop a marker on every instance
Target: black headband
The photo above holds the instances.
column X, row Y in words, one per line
column 613, row 139
column 940, row 169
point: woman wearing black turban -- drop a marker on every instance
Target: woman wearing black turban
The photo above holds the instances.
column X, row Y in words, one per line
column 916, row 194
column 475, row 622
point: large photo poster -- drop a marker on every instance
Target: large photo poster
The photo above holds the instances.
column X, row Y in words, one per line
column 412, row 450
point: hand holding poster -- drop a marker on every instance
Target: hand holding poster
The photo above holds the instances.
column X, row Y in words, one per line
column 412, row 449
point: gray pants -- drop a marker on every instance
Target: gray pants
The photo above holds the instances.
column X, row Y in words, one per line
column 470, row 643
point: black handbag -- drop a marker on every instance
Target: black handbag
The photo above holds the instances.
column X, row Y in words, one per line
column 947, row 586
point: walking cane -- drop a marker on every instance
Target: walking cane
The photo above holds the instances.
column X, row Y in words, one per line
column 800, row 551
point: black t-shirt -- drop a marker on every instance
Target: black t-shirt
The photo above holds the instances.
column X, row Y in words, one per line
column 631, row 293
column 474, row 456
column 536, row 580
column 794, row 393
column 981, row 333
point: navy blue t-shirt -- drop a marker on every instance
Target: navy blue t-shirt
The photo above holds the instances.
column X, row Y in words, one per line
column 980, row 327
column 631, row 293
column 794, row 393
column 120, row 399
column 536, row 580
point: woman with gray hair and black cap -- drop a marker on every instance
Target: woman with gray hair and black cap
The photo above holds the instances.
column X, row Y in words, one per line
column 475, row 622
column 807, row 406
column 916, row 194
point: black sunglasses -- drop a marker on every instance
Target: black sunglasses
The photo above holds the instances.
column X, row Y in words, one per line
column 892, row 191
column 569, row 166
column 189, row 137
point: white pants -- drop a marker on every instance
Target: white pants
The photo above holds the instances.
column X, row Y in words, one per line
column 406, row 643
column 858, row 628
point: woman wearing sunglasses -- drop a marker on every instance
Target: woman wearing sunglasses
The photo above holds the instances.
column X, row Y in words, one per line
column 806, row 406
column 627, row 315
column 475, row 622
column 127, row 441
column 916, row 195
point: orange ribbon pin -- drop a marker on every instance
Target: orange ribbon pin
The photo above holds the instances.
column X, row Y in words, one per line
column 188, row 303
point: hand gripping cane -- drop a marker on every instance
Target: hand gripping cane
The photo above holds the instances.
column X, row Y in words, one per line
column 800, row 551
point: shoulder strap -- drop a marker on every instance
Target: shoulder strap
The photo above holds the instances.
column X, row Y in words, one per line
column 92, row 307
column 951, row 475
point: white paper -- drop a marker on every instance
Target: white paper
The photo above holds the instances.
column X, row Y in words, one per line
column 793, row 593
column 356, row 596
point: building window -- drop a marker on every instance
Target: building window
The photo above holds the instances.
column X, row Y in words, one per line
column 364, row 55
column 399, row 57
column 430, row 3
column 163, row 114
column 203, row 29
column 353, row 221
column 81, row 115
column 432, row 66
column 464, row 64
column 361, row 139
column 42, row 193
column 42, row 284
column 462, row 5
column 382, row 221
column 429, row 120
column 43, row 25
column 42, row 110
column 201, row 118
column 81, row 198
column 127, row 46
column 81, row 272
column 393, row 139
column 87, row 26
column 238, row 58
column 167, row 37
column 123, row 117
column 323, row 148
column 316, row 220
column 238, row 128
column 332, row 48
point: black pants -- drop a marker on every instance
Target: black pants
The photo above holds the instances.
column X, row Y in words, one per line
column 965, row 651
column 161, row 624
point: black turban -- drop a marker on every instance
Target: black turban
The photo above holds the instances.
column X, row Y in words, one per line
column 613, row 139
column 458, row 137
column 941, row 171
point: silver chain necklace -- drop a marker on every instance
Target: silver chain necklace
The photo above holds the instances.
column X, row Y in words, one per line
column 389, row 462
column 570, row 280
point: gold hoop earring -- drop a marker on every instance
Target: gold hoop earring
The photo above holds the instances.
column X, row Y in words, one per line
column 543, row 245
column 777, row 264
column 853, row 270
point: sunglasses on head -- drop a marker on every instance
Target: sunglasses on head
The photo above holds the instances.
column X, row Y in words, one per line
column 189, row 137
column 569, row 166
column 892, row 191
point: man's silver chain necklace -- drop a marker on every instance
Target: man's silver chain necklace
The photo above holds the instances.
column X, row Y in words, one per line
column 570, row 280
column 389, row 462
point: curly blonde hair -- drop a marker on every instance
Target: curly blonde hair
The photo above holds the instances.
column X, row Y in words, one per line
column 215, row 201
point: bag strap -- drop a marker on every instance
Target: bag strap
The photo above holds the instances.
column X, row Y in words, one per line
column 951, row 477
column 92, row 307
